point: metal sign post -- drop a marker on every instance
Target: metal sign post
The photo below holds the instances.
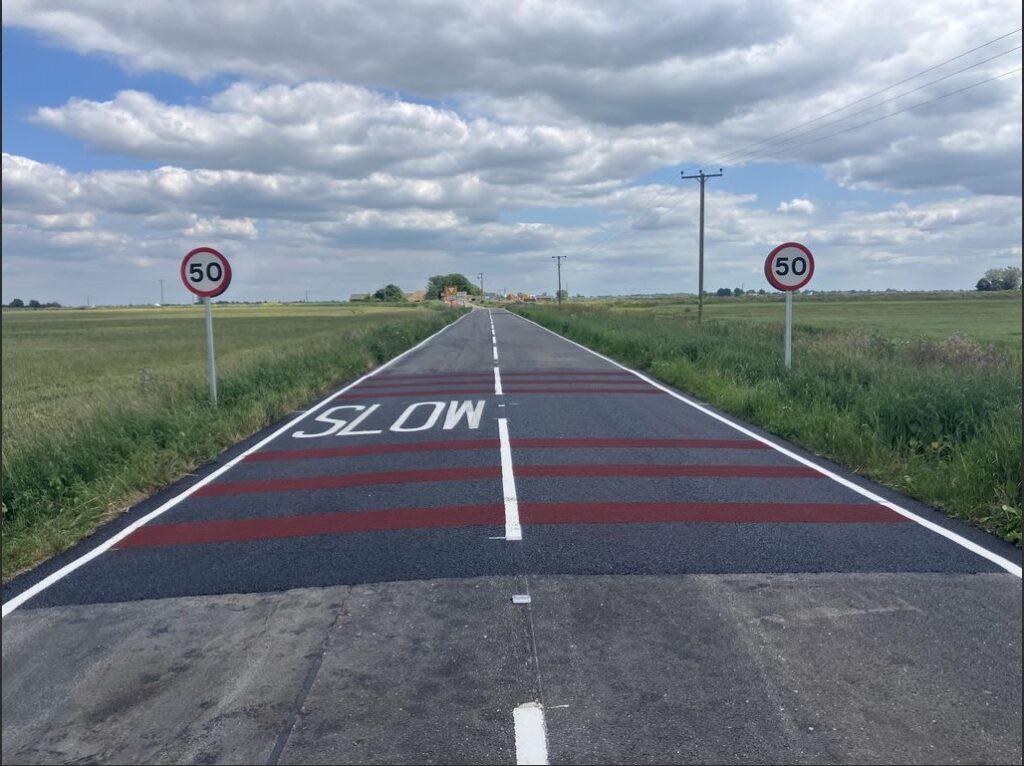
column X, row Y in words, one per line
column 789, row 267
column 207, row 273
column 789, row 329
column 211, row 361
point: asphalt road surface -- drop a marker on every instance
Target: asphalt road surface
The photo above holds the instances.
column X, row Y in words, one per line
column 349, row 588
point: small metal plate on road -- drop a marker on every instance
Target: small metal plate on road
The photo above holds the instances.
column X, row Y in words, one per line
column 520, row 598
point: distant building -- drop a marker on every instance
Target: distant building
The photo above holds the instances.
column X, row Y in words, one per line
column 416, row 296
column 356, row 297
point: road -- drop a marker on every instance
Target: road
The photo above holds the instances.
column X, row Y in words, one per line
column 349, row 587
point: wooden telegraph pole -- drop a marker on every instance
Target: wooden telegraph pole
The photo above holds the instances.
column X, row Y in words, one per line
column 702, row 177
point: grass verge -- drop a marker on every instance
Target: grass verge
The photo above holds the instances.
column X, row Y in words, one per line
column 937, row 420
column 60, row 484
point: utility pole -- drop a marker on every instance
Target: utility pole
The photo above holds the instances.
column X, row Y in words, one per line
column 480, row 276
column 307, row 296
column 161, row 293
column 559, row 258
column 702, row 177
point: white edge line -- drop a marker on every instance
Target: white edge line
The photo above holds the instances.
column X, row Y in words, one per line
column 16, row 601
column 531, row 735
column 513, row 529
column 995, row 558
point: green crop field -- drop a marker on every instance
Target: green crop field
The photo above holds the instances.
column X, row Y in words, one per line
column 101, row 407
column 922, row 393
column 983, row 317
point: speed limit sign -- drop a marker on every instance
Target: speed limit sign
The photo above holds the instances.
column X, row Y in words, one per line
column 790, row 266
column 206, row 272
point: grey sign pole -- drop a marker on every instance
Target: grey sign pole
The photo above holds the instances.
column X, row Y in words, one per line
column 211, row 361
column 789, row 330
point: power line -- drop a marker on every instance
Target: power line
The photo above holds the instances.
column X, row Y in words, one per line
column 865, row 98
column 745, row 156
column 893, row 114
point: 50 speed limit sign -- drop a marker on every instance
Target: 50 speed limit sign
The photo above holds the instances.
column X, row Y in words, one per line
column 205, row 272
column 789, row 267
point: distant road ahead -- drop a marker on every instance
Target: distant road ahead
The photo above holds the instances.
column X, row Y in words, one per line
column 342, row 591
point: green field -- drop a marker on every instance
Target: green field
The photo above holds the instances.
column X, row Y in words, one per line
column 101, row 407
column 983, row 317
column 920, row 393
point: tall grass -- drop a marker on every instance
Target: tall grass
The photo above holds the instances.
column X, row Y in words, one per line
column 61, row 482
column 937, row 420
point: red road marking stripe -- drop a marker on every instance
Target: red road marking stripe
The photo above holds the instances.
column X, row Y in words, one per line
column 473, row 444
column 577, row 390
column 483, row 374
column 733, row 513
column 363, row 394
column 640, row 443
column 240, row 530
column 574, row 381
column 486, row 374
column 371, row 449
column 348, row 480
column 761, row 471
column 530, row 382
column 569, row 373
column 370, row 384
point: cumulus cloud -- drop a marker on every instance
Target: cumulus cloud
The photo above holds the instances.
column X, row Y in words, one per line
column 797, row 205
column 222, row 228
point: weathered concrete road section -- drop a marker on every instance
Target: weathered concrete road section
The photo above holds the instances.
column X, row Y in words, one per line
column 343, row 592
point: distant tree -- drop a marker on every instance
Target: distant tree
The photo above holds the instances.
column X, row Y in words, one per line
column 563, row 294
column 1000, row 279
column 737, row 291
column 983, row 285
column 761, row 291
column 437, row 283
column 723, row 292
column 34, row 304
column 17, row 303
column 390, row 294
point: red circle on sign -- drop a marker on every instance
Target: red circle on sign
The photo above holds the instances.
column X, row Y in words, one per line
column 225, row 278
column 769, row 263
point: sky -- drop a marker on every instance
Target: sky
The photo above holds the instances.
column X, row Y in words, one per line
column 329, row 148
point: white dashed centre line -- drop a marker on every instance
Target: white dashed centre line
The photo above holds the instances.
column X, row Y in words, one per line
column 531, row 734
column 513, row 529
